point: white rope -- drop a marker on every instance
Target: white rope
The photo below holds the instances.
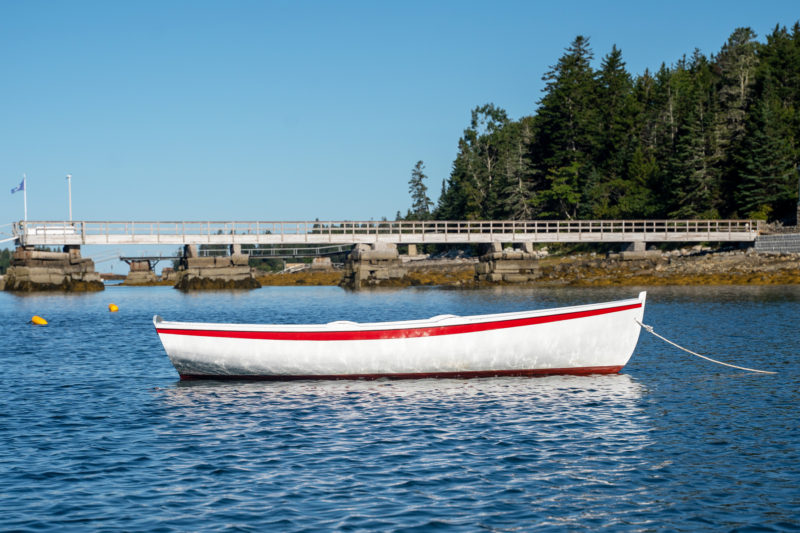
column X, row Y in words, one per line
column 650, row 330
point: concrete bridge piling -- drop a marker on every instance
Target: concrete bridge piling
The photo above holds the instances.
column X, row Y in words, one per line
column 38, row 270
column 372, row 264
column 637, row 250
column 141, row 272
column 511, row 265
column 212, row 273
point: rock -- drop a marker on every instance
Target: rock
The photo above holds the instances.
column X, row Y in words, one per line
column 194, row 283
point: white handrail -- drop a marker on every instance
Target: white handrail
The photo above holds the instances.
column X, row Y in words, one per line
column 170, row 232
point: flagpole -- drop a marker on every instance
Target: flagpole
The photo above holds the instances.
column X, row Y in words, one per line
column 69, row 186
column 25, row 194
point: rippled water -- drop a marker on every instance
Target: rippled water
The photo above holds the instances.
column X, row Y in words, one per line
column 98, row 433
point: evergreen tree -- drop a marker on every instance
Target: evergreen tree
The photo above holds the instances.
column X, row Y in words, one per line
column 518, row 197
column 441, row 204
column 566, row 129
column 636, row 197
column 736, row 64
column 5, row 260
column 615, row 139
column 474, row 183
column 688, row 186
column 421, row 204
column 767, row 165
column 644, row 168
column 779, row 61
column 567, row 115
column 616, row 122
column 468, row 182
column 486, row 138
column 692, row 183
column 563, row 197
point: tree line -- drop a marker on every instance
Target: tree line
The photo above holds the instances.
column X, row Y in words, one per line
column 708, row 137
column 5, row 260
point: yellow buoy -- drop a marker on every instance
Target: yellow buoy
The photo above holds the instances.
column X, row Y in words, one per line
column 39, row 321
column 113, row 308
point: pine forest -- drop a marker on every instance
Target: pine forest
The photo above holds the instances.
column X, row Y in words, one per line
column 707, row 137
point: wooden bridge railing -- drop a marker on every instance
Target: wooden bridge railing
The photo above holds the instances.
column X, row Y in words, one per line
column 256, row 232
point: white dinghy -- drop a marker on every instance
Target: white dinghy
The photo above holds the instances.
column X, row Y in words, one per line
column 586, row 339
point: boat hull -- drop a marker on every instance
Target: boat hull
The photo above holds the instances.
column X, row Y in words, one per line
column 590, row 339
column 413, row 375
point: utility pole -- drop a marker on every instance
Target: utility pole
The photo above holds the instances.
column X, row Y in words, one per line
column 69, row 189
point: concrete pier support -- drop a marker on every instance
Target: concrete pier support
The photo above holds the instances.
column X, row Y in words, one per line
column 140, row 273
column 34, row 270
column 372, row 266
column 510, row 266
column 214, row 273
column 168, row 274
column 637, row 250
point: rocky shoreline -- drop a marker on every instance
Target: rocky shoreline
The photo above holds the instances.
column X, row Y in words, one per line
column 697, row 266
column 703, row 267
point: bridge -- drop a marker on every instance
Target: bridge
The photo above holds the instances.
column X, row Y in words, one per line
column 282, row 252
column 78, row 233
column 222, row 261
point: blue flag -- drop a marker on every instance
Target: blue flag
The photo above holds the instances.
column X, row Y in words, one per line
column 20, row 187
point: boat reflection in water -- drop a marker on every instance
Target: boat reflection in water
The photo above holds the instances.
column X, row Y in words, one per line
column 541, row 446
column 548, row 393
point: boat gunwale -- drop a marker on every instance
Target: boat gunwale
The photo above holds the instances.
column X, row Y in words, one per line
column 439, row 321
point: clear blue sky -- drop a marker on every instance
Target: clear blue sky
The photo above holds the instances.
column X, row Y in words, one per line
column 260, row 110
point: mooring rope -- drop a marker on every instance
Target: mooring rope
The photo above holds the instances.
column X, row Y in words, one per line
column 650, row 330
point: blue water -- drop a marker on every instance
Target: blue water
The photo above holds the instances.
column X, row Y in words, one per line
column 97, row 432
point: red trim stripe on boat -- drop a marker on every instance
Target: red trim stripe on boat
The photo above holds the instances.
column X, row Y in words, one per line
column 579, row 371
column 378, row 334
